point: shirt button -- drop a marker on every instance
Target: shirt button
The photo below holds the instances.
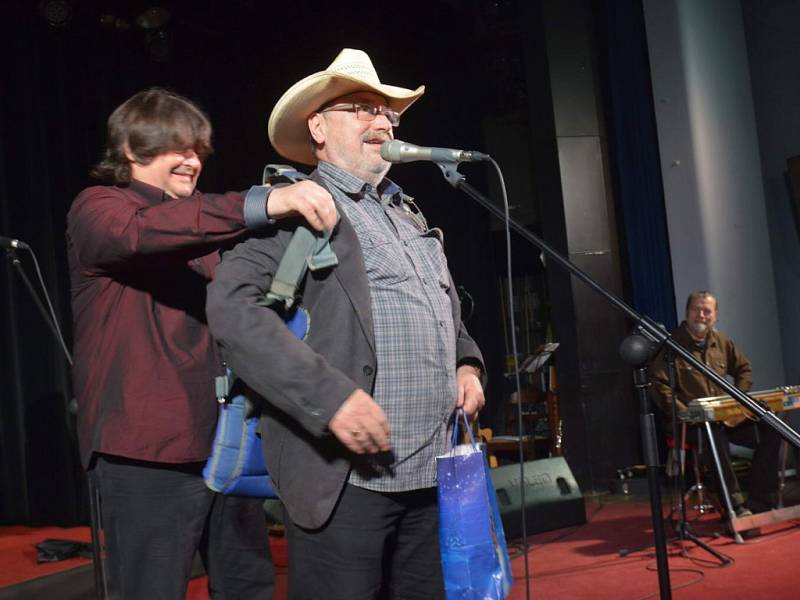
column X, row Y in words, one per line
column 441, row 323
column 368, row 371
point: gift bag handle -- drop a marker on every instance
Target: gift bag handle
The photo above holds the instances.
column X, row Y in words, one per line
column 467, row 428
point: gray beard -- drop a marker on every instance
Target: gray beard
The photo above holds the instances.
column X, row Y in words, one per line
column 699, row 328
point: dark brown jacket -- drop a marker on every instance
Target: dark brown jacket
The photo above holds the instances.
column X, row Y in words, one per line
column 719, row 354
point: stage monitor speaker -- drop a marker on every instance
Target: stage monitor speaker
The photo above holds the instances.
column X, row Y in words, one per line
column 552, row 497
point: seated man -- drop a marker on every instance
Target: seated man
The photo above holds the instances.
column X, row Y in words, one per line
column 698, row 336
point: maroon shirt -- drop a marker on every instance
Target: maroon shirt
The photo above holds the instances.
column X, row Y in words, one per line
column 144, row 359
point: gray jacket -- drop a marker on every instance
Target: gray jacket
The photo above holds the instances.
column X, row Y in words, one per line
column 304, row 383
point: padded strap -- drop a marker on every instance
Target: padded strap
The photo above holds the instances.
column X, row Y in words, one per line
column 306, row 249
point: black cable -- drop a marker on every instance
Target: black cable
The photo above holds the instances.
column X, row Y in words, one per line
column 518, row 385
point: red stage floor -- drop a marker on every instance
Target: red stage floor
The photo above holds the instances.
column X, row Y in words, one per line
column 572, row 563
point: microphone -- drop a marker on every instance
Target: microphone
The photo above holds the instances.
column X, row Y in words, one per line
column 396, row 151
column 12, row 244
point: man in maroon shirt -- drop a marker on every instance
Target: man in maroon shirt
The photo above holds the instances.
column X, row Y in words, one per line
column 141, row 252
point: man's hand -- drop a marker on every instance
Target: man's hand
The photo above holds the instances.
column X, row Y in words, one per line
column 469, row 390
column 361, row 425
column 305, row 198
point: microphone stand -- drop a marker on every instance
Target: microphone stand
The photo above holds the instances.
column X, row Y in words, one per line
column 14, row 259
column 101, row 587
column 646, row 327
column 636, row 351
column 682, row 528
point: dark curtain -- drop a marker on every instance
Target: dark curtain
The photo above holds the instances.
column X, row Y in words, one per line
column 59, row 83
column 43, row 154
column 636, row 164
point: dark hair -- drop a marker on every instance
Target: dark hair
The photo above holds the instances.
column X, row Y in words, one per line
column 701, row 294
column 148, row 124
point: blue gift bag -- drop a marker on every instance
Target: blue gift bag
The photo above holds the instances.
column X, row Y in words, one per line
column 473, row 547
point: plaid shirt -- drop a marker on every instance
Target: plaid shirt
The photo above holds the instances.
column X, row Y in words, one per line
column 414, row 331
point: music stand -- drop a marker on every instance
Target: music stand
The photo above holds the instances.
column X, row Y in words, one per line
column 529, row 366
column 537, row 360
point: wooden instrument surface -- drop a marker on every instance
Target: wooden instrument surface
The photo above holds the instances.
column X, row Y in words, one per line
column 730, row 412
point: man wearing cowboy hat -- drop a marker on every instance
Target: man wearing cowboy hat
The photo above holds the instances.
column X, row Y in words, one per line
column 356, row 414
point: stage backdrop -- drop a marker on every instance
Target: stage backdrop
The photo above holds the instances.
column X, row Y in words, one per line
column 60, row 82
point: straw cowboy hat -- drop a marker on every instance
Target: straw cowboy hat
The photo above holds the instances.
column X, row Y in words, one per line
column 351, row 71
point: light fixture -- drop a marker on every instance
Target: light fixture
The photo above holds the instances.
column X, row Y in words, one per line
column 110, row 21
column 56, row 12
column 154, row 17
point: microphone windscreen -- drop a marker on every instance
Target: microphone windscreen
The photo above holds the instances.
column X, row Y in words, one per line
column 390, row 150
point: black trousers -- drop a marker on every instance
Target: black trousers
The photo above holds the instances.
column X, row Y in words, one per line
column 156, row 516
column 763, row 488
column 375, row 546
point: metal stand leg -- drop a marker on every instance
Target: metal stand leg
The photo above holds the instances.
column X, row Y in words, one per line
column 98, row 547
column 784, row 452
column 726, row 498
column 698, row 489
column 683, row 529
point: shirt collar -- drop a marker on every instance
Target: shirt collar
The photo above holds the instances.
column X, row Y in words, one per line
column 357, row 188
column 152, row 194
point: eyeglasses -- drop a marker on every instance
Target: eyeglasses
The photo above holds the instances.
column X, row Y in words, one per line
column 365, row 112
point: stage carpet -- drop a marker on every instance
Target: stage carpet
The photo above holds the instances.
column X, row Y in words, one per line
column 574, row 563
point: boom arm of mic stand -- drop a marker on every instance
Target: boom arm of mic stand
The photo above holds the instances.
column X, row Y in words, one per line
column 15, row 262
column 647, row 326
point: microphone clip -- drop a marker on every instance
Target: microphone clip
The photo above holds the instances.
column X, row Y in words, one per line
column 450, row 172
